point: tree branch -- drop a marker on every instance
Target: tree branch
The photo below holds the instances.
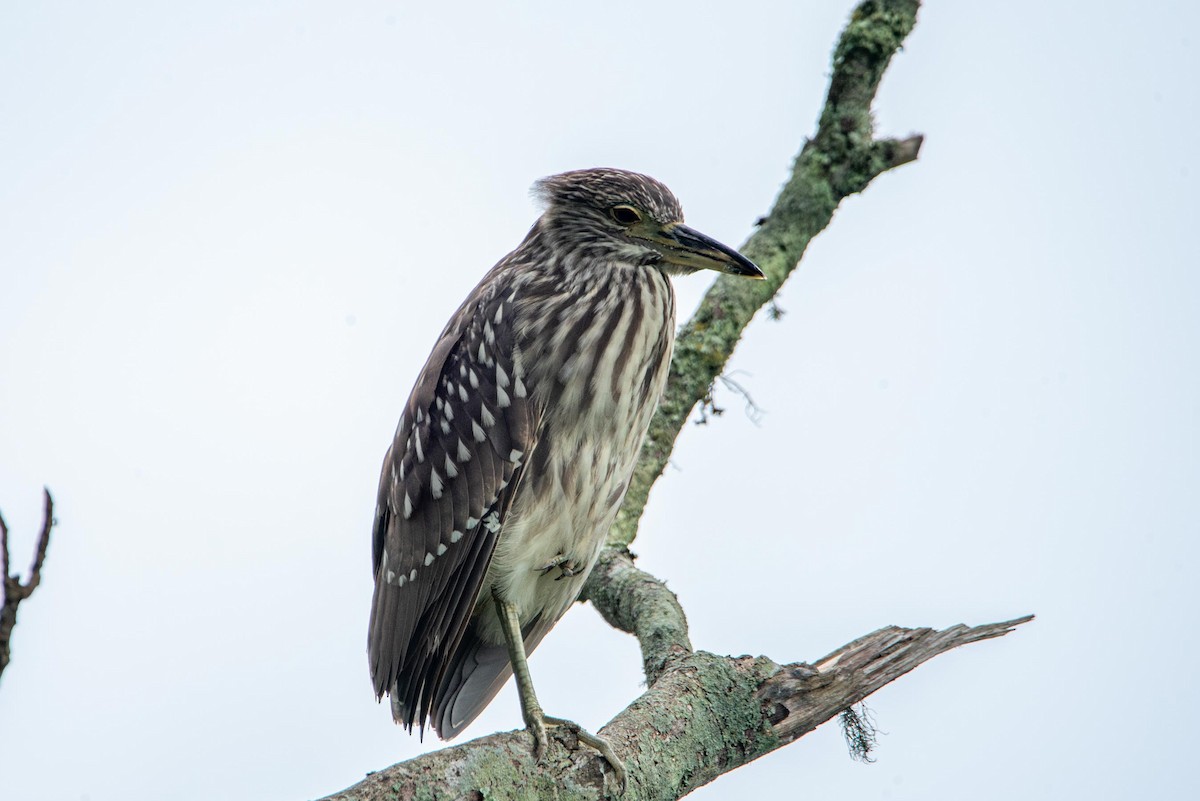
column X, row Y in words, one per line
column 14, row 590
column 705, row 716
column 840, row 160
column 801, row 694
column 634, row 601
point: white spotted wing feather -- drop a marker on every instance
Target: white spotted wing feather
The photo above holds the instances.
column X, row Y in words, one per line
column 447, row 485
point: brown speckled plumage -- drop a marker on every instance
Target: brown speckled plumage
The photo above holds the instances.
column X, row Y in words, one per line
column 517, row 443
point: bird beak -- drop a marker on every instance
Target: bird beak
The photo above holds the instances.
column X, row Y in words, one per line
column 693, row 250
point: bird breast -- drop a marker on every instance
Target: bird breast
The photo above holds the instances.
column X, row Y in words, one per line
column 598, row 378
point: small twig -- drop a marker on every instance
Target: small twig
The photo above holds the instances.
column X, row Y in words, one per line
column 753, row 411
column 14, row 590
column 708, row 404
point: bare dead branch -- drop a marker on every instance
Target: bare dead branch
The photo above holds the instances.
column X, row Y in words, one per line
column 897, row 152
column 860, row 668
column 705, row 716
column 14, row 590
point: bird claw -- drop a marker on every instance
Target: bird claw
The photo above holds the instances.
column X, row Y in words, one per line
column 541, row 740
column 567, row 566
column 541, row 743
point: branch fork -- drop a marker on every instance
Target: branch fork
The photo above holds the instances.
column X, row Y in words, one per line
column 703, row 715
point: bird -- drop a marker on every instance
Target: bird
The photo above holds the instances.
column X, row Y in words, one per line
column 517, row 444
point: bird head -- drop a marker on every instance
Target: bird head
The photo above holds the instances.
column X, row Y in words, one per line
column 631, row 218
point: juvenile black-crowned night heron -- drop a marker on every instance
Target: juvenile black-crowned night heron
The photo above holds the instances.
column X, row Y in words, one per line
column 516, row 446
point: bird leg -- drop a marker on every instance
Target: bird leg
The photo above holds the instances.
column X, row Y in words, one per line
column 536, row 720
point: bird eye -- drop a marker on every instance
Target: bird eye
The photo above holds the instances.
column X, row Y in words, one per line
column 625, row 215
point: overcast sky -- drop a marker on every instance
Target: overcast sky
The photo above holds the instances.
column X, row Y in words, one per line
column 230, row 232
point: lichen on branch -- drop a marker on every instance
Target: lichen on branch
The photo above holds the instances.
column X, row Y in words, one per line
column 703, row 714
column 841, row 159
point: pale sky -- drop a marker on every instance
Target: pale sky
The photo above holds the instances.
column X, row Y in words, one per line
column 230, row 232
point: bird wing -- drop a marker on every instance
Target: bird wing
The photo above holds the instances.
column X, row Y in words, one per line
column 447, row 484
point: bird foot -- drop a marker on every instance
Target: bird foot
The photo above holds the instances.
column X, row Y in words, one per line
column 541, row 743
column 567, row 567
